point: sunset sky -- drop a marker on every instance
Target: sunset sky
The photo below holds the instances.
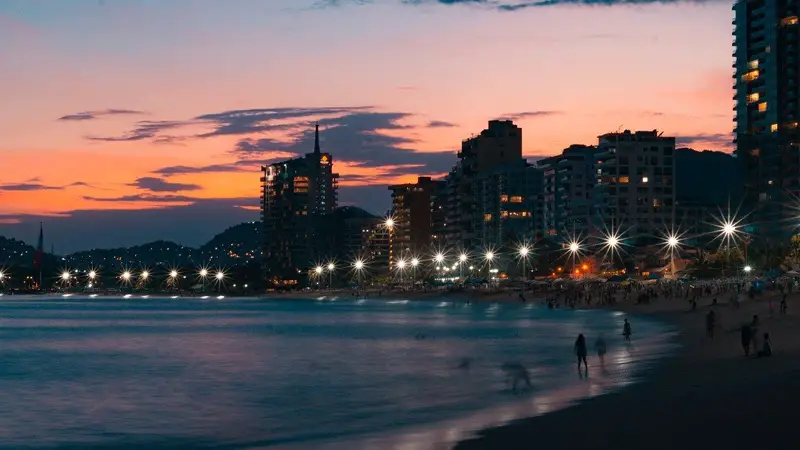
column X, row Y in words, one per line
column 124, row 121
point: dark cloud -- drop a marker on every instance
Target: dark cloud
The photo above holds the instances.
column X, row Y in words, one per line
column 234, row 122
column 530, row 114
column 361, row 138
column 724, row 140
column 440, row 124
column 515, row 5
column 213, row 168
column 260, row 120
column 192, row 224
column 91, row 115
column 145, row 129
column 34, row 185
column 154, row 184
column 144, row 198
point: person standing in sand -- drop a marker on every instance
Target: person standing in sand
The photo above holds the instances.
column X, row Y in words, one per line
column 711, row 323
column 746, row 338
column 580, row 351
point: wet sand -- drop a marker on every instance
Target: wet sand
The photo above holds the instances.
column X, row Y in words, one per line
column 707, row 397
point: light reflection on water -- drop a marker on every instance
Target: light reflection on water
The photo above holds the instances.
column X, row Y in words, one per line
column 291, row 374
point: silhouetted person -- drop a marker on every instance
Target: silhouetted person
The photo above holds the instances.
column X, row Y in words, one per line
column 711, row 323
column 746, row 338
column 783, row 305
column 767, row 349
column 580, row 351
column 600, row 348
column 516, row 372
column 626, row 330
column 754, row 332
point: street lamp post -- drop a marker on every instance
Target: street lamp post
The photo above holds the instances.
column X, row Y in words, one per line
column 462, row 259
column 523, row 256
column 331, row 267
column 414, row 264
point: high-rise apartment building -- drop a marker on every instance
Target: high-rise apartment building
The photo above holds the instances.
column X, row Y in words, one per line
column 296, row 193
column 568, row 191
column 767, row 83
column 413, row 214
column 635, row 188
column 507, row 206
column 500, row 143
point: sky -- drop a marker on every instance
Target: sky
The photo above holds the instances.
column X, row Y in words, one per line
column 126, row 121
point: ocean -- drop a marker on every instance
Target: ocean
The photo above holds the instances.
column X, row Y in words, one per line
column 325, row 373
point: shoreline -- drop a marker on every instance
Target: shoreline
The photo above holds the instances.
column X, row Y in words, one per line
column 708, row 395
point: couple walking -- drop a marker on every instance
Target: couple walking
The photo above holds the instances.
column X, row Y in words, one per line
column 599, row 345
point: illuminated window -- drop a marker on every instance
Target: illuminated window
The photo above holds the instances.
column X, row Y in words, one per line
column 503, row 213
column 516, row 199
column 752, row 98
column 791, row 125
column 503, row 198
column 657, row 202
column 753, row 64
column 773, row 127
column 624, row 180
column 487, row 217
column 762, row 106
column 645, row 179
column 791, row 20
column 750, row 76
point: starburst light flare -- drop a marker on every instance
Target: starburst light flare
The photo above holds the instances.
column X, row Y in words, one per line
column 65, row 275
column 331, row 266
column 92, row 274
column 729, row 228
column 414, row 262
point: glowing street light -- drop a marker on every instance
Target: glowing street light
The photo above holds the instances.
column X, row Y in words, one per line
column 414, row 262
column 203, row 273
column 331, row 267
column 144, row 275
column 359, row 266
column 126, row 276
column 318, row 270
column 489, row 256
column 748, row 269
column 65, row 275
column 173, row 274
column 439, row 257
column 92, row 274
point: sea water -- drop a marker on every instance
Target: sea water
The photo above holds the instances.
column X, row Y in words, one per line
column 330, row 373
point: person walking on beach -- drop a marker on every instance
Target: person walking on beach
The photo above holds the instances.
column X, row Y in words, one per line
column 580, row 351
column 711, row 323
column 746, row 338
column 626, row 330
column 600, row 348
column 767, row 350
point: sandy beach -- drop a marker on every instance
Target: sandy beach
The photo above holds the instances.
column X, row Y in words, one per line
column 709, row 396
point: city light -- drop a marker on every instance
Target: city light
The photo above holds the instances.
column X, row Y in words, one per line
column 439, row 257
column 672, row 241
column 219, row 275
column 65, row 275
column 318, row 270
column 574, row 247
column 2, row 275
column 203, row 273
column 729, row 228
column 331, row 266
column 359, row 265
column 92, row 274
column 144, row 275
column 523, row 251
column 747, row 269
column 414, row 262
column 489, row 256
column 173, row 274
column 462, row 257
column 389, row 223
column 401, row 264
column 126, row 276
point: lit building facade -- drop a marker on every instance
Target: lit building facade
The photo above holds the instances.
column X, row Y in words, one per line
column 568, row 191
column 499, row 144
column 635, row 190
column 508, row 203
column 413, row 210
column 767, row 83
column 296, row 194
